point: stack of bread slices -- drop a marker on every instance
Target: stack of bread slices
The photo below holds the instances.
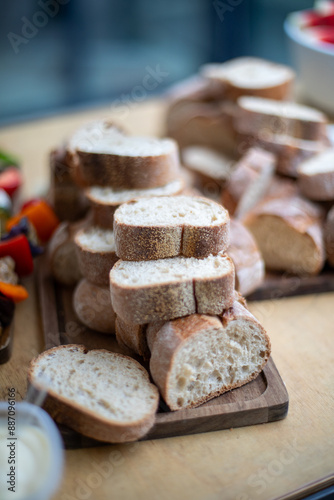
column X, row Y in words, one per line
column 113, row 168
column 174, row 296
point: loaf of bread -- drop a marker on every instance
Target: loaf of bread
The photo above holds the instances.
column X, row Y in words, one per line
column 248, row 181
column 199, row 357
column 250, row 76
column 105, row 200
column 104, row 156
column 260, row 117
column 316, row 176
column 95, row 250
column 247, row 259
column 148, row 291
column 101, row 394
column 161, row 227
column 93, row 308
column 289, row 234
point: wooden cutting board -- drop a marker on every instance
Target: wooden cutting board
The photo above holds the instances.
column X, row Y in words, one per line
column 265, row 399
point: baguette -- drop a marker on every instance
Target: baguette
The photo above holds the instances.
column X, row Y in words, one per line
column 98, row 393
column 104, row 156
column 289, row 234
column 95, row 250
column 260, row 117
column 132, row 337
column 149, row 291
column 248, row 181
column 93, row 308
column 161, row 227
column 250, row 76
column 316, row 176
column 199, row 357
column 247, row 259
column 105, row 200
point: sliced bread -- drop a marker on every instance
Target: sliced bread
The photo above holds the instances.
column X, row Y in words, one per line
column 329, row 236
column 161, row 227
column 212, row 169
column 199, row 357
column 247, row 259
column 148, row 291
column 289, row 151
column 63, row 262
column 95, row 249
column 93, row 308
column 265, row 117
column 250, row 76
column 289, row 234
column 132, row 337
column 316, row 176
column 98, row 393
column 248, row 181
column 104, row 156
column 105, row 200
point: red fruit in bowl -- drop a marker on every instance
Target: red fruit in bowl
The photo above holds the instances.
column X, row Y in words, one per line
column 10, row 180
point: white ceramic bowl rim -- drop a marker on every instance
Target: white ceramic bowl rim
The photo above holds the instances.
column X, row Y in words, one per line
column 292, row 29
column 53, row 478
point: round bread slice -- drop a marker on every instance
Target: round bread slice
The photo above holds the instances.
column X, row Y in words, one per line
column 92, row 305
column 148, row 291
column 105, row 200
column 251, row 76
column 161, row 227
column 265, row 117
column 104, row 156
column 95, row 249
column 101, row 394
column 199, row 357
column 316, row 176
column 132, row 336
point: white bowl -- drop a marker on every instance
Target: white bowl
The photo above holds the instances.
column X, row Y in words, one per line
column 30, row 440
column 314, row 63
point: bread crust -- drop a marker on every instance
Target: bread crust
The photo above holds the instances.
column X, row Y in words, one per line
column 256, row 123
column 247, row 259
column 173, row 335
column 140, row 242
column 84, row 420
column 329, row 236
column 93, row 308
column 132, row 336
column 126, row 172
column 304, row 217
column 319, row 186
column 155, row 302
column 94, row 265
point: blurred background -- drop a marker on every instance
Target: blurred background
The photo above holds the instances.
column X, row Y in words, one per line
column 60, row 55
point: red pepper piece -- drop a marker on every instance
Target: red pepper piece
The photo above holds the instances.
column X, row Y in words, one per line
column 18, row 248
column 10, row 180
column 41, row 216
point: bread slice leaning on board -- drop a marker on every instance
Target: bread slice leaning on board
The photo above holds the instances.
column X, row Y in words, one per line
column 250, row 76
column 161, row 227
column 104, row 201
column 147, row 291
column 104, row 156
column 199, row 357
column 101, row 394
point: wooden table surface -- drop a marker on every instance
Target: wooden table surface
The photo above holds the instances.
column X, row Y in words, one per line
column 286, row 459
